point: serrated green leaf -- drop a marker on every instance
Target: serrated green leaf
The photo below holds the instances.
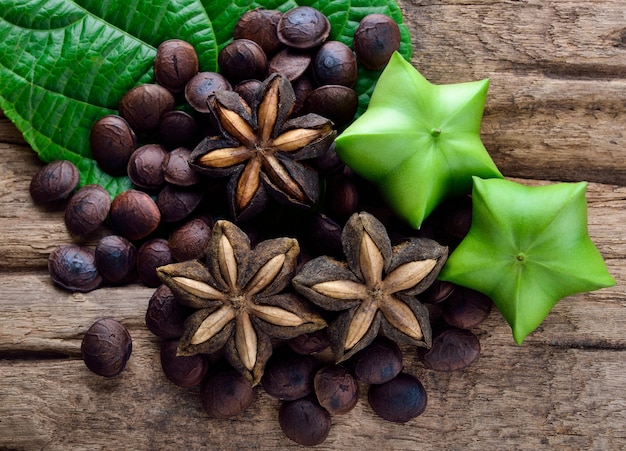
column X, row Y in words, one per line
column 64, row 64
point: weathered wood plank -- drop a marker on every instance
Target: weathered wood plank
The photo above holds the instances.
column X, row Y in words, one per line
column 555, row 111
column 30, row 232
column 532, row 397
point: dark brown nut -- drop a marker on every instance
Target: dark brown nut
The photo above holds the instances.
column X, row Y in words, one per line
column 378, row 363
column 176, row 169
column 145, row 167
column 184, row 371
column 303, row 27
column 144, row 105
column 336, row 389
column 437, row 292
column 178, row 129
column 310, row 343
column 152, row 254
column 375, row 40
column 112, row 141
column 259, row 25
column 466, row 308
column 54, row 182
column 399, row 400
column 106, row 347
column 453, row 349
column 116, row 258
column 190, row 241
column 176, row 203
column 134, row 214
column 199, row 88
column 242, row 59
column 335, row 102
column 304, row 421
column 457, row 216
column 329, row 163
column 335, row 64
column 73, row 267
column 225, row 394
column 302, row 87
column 87, row 210
column 289, row 375
column 175, row 63
column 165, row 316
column 342, row 199
column 326, row 235
column 247, row 90
column 290, row 63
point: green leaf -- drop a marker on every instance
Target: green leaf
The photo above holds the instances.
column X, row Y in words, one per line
column 527, row 248
column 419, row 142
column 64, row 64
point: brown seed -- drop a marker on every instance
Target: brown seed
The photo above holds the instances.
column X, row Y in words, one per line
column 304, row 421
column 337, row 103
column 145, row 166
column 302, row 87
column 144, row 105
column 176, row 169
column 452, row 349
column 259, row 25
column 176, row 203
column 242, row 59
column 116, row 258
column 336, row 389
column 326, row 236
column 375, row 40
column 87, row 210
column 378, row 363
column 290, row 63
column 438, row 292
column 106, row 347
column 190, row 241
column 54, row 182
column 134, row 214
column 175, row 63
column 178, row 129
column 165, row 316
column 152, row 254
column 200, row 87
column 73, row 267
column 247, row 90
column 184, row 371
column 226, row 393
column 342, row 199
column 112, row 141
column 466, row 308
column 289, row 375
column 335, row 64
column 310, row 343
column 399, row 400
column 303, row 27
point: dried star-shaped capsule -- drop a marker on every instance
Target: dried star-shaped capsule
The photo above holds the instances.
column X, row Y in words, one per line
column 260, row 148
column 376, row 287
column 419, row 142
column 527, row 247
column 240, row 300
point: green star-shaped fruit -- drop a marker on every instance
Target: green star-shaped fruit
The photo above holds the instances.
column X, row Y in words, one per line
column 527, row 248
column 418, row 142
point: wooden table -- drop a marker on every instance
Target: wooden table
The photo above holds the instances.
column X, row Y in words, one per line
column 555, row 111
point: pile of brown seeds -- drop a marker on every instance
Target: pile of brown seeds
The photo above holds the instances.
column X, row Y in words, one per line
column 163, row 131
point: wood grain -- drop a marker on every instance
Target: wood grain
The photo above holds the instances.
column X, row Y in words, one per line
column 555, row 111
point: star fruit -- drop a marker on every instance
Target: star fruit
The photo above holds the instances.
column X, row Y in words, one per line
column 527, row 248
column 417, row 141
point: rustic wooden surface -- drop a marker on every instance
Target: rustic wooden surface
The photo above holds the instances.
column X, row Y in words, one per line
column 555, row 111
